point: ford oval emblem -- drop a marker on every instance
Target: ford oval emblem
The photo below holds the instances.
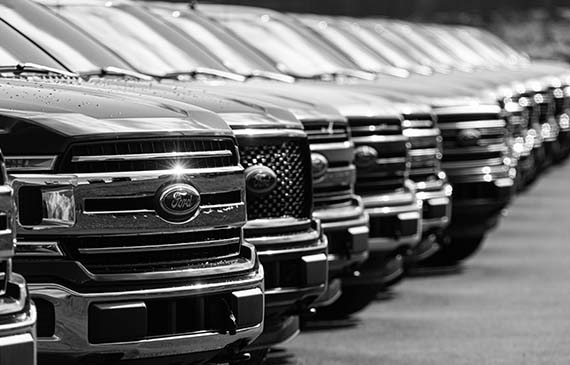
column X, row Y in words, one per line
column 260, row 179
column 320, row 165
column 177, row 202
column 365, row 156
column 468, row 137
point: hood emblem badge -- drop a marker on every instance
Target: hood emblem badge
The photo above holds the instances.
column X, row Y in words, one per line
column 320, row 165
column 260, row 179
column 365, row 156
column 468, row 137
column 177, row 203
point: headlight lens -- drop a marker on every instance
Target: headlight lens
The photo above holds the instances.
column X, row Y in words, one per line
column 29, row 163
column 58, row 206
column 46, row 206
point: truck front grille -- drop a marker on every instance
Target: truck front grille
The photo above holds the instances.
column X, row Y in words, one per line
column 148, row 155
column 389, row 170
column 472, row 136
column 333, row 196
column 326, row 132
column 291, row 161
column 425, row 140
column 121, row 254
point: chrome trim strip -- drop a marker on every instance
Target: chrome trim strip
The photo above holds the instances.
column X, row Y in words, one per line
column 391, row 160
column 381, row 139
column 151, row 156
column 474, row 124
column 331, row 146
column 253, row 132
column 418, row 123
column 474, row 163
column 312, row 235
column 417, row 133
column 163, row 247
column 423, row 152
column 76, row 179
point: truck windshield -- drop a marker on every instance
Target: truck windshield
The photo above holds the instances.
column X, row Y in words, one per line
column 348, row 44
column 229, row 49
column 143, row 41
column 293, row 50
column 60, row 39
column 15, row 48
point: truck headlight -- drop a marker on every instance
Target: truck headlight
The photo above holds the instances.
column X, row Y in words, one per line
column 46, row 206
column 29, row 163
column 58, row 206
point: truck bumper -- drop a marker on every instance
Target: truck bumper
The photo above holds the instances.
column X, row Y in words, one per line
column 395, row 229
column 477, row 206
column 436, row 215
column 295, row 264
column 17, row 329
column 155, row 322
column 347, row 232
column 296, row 274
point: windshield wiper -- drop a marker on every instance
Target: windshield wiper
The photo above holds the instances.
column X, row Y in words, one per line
column 116, row 71
column 204, row 71
column 270, row 76
column 363, row 75
column 25, row 67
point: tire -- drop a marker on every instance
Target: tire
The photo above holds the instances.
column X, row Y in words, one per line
column 455, row 250
column 353, row 300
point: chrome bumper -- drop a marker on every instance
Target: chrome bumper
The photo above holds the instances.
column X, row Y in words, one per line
column 295, row 263
column 436, row 206
column 402, row 218
column 347, row 231
column 17, row 335
column 76, row 319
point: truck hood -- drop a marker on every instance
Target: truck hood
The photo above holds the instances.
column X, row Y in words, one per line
column 235, row 110
column 42, row 118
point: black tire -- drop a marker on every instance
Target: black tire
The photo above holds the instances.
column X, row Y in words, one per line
column 455, row 250
column 353, row 300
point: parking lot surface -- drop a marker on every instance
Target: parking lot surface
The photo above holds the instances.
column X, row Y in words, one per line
column 508, row 305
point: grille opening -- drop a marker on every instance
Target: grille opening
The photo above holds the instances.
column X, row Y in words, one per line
column 30, row 205
column 333, row 196
column 377, row 185
column 483, row 190
column 468, row 117
column 46, row 318
column 283, row 274
column 4, row 222
column 290, row 160
column 152, row 260
column 178, row 316
column 175, row 316
column 219, row 147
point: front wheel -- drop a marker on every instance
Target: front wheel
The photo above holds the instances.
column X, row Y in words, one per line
column 455, row 250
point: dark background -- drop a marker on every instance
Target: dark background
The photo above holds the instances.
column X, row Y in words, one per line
column 419, row 9
column 540, row 28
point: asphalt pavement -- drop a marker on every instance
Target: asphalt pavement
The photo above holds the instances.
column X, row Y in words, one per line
column 510, row 304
